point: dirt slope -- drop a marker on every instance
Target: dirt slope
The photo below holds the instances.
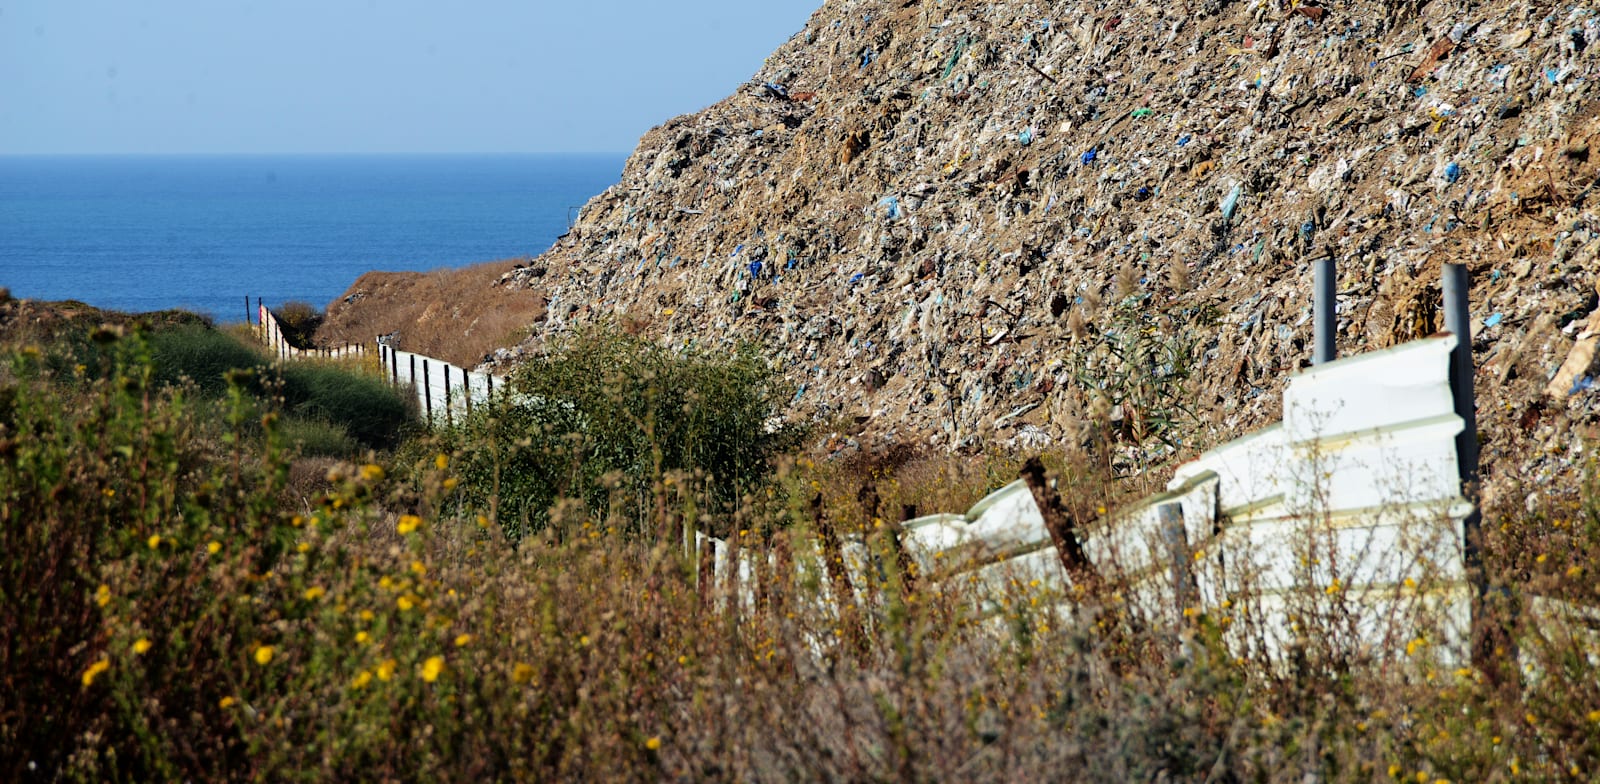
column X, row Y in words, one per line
column 958, row 223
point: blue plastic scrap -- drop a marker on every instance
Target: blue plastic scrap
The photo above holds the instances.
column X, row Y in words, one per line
column 867, row 56
column 1494, row 320
column 755, row 269
column 1026, row 137
column 1452, row 172
column 1088, row 157
column 1230, row 204
column 893, row 207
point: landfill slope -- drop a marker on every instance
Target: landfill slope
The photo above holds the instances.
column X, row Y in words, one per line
column 960, row 224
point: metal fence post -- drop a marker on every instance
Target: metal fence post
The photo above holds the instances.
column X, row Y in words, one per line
column 427, row 392
column 1489, row 631
column 1324, row 311
column 449, row 419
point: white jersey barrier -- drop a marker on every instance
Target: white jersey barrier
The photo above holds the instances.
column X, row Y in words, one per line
column 1349, row 509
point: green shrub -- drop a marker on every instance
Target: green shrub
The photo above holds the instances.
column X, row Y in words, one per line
column 370, row 410
column 604, row 415
column 201, row 354
column 299, row 321
column 317, row 438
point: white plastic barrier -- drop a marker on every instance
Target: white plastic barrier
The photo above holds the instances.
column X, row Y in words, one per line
column 1350, row 508
column 445, row 393
column 271, row 333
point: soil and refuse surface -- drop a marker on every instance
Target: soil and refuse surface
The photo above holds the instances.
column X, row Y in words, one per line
column 974, row 224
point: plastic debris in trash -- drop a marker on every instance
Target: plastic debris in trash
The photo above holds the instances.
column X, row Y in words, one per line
column 1494, row 320
column 1230, row 204
column 776, row 90
column 1142, row 112
column 1026, row 137
column 891, row 207
column 1088, row 157
column 1452, row 172
column 755, row 269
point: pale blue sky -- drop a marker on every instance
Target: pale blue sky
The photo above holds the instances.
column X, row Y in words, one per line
column 369, row 76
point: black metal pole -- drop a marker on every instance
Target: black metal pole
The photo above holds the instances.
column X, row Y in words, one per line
column 1489, row 629
column 427, row 392
column 448, row 419
column 1324, row 311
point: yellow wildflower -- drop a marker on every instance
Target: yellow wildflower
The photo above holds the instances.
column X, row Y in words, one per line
column 654, row 743
column 432, row 668
column 363, row 638
column 409, row 523
column 584, row 640
column 522, row 673
column 1575, row 571
column 386, row 669
column 372, row 472
column 102, row 595
column 405, row 603
column 1415, row 645
column 450, row 483
column 361, row 680
column 314, row 593
column 214, row 548
column 1594, row 717
column 1333, row 588
column 225, row 703
column 94, row 670
column 263, row 655
column 154, row 541
column 462, row 640
column 366, row 615
column 418, row 567
column 441, row 461
column 142, row 646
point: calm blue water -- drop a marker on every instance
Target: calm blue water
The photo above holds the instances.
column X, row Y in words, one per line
column 201, row 232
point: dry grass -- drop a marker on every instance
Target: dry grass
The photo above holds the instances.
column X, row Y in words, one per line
column 458, row 315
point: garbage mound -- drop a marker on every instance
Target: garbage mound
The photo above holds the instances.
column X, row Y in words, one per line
column 965, row 223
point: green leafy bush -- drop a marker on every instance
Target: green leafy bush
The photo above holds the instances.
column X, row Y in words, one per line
column 371, row 411
column 317, row 438
column 299, row 321
column 604, row 415
column 202, row 355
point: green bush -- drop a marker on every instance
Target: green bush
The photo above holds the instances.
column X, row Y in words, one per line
column 201, row 354
column 317, row 438
column 299, row 321
column 367, row 408
column 604, row 415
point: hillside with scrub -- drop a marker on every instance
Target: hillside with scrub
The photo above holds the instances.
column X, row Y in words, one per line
column 930, row 247
column 189, row 592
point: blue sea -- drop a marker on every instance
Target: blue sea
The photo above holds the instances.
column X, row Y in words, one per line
column 140, row 233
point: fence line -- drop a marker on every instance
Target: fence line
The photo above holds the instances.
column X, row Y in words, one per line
column 444, row 391
column 271, row 333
